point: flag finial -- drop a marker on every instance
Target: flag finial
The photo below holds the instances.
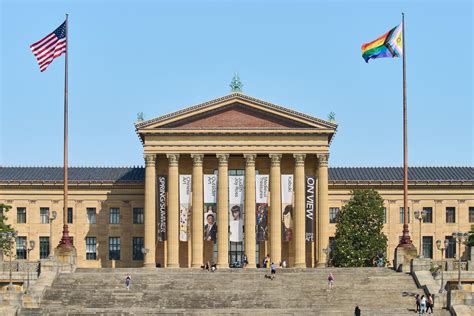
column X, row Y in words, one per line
column 236, row 85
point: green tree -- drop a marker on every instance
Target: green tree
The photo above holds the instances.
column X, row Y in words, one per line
column 359, row 237
column 5, row 244
column 470, row 241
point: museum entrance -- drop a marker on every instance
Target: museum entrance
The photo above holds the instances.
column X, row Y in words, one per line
column 236, row 252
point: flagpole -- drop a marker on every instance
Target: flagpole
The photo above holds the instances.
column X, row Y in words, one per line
column 406, row 234
column 65, row 239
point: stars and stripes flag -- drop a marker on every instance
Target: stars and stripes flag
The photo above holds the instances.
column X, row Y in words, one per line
column 50, row 47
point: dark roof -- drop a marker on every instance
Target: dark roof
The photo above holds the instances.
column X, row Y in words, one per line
column 396, row 174
column 137, row 174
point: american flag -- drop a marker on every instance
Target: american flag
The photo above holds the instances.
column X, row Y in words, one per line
column 50, row 47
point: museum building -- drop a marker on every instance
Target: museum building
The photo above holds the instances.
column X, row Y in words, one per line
column 255, row 168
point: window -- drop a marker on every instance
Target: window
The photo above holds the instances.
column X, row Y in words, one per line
column 21, row 247
column 450, row 215
column 427, row 246
column 91, row 215
column 114, row 217
column 137, row 248
column 471, row 214
column 138, row 217
column 114, row 248
column 69, row 215
column 428, row 214
column 333, row 214
column 21, row 215
column 402, row 215
column 91, row 248
column 385, row 215
column 44, row 247
column 44, row 215
column 451, row 249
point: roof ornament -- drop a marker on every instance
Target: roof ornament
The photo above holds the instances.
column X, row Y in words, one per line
column 332, row 117
column 236, row 85
column 140, row 117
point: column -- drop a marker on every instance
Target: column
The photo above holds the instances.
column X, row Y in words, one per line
column 275, row 208
column 300, row 223
column 173, row 211
column 150, row 216
column 197, row 217
column 323, row 238
column 223, row 212
column 250, row 238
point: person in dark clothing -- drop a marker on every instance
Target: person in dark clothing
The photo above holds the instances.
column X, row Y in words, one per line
column 357, row 311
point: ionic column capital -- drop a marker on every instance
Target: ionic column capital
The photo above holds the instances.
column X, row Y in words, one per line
column 323, row 160
column 299, row 159
column 275, row 159
column 173, row 159
column 250, row 160
column 197, row 159
column 223, row 159
column 150, row 160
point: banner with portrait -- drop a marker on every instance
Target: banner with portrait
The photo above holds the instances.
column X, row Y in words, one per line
column 236, row 208
column 184, row 206
column 161, row 208
column 210, row 204
column 287, row 216
column 261, row 201
column 310, row 199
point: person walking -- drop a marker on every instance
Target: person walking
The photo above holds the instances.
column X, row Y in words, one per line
column 357, row 310
column 422, row 305
column 330, row 281
column 417, row 301
column 273, row 268
column 430, row 305
column 128, row 279
column 245, row 261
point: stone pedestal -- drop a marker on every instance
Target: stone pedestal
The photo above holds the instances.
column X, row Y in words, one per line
column 66, row 255
column 403, row 256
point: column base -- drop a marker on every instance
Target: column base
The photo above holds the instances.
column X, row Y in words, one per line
column 196, row 265
column 300, row 265
column 321, row 265
column 225, row 266
column 149, row 265
column 172, row 266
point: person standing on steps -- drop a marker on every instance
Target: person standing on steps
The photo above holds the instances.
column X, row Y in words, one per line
column 245, row 261
column 357, row 310
column 273, row 268
column 417, row 301
column 128, row 279
column 330, row 281
column 430, row 305
column 422, row 305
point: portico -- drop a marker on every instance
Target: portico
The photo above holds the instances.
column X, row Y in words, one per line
column 248, row 137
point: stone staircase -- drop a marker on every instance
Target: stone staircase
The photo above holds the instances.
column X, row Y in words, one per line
column 378, row 291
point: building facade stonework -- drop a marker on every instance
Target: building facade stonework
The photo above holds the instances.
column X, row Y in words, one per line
column 115, row 212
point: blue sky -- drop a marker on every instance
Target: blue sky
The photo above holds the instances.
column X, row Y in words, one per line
column 156, row 57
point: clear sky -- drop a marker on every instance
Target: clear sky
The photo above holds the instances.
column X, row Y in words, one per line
column 156, row 57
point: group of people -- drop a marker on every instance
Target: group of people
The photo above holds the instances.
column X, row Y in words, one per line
column 424, row 304
column 209, row 266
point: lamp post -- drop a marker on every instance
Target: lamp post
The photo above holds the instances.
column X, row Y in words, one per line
column 461, row 238
column 52, row 217
column 440, row 247
column 420, row 216
column 10, row 237
column 28, row 249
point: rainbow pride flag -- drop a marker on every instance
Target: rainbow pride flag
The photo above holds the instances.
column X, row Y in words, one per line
column 388, row 45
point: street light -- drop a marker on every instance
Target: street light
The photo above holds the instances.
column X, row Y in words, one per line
column 440, row 247
column 28, row 249
column 52, row 217
column 10, row 237
column 420, row 216
column 461, row 239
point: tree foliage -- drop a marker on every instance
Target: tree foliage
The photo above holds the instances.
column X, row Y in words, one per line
column 359, row 237
column 5, row 244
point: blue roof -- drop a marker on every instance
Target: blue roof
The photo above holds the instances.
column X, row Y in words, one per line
column 137, row 174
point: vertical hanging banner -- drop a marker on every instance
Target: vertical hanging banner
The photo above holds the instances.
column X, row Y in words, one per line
column 236, row 208
column 261, row 200
column 210, row 203
column 184, row 206
column 161, row 210
column 287, row 215
column 309, row 207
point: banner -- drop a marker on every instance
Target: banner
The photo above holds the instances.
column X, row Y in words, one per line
column 236, row 208
column 210, row 203
column 184, row 206
column 309, row 207
column 161, row 209
column 287, row 216
column 261, row 200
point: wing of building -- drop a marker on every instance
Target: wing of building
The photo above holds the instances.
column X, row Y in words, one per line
column 258, row 169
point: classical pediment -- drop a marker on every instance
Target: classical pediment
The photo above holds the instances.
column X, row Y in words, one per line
column 235, row 111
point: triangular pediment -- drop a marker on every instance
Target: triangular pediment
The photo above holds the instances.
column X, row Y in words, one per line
column 235, row 111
